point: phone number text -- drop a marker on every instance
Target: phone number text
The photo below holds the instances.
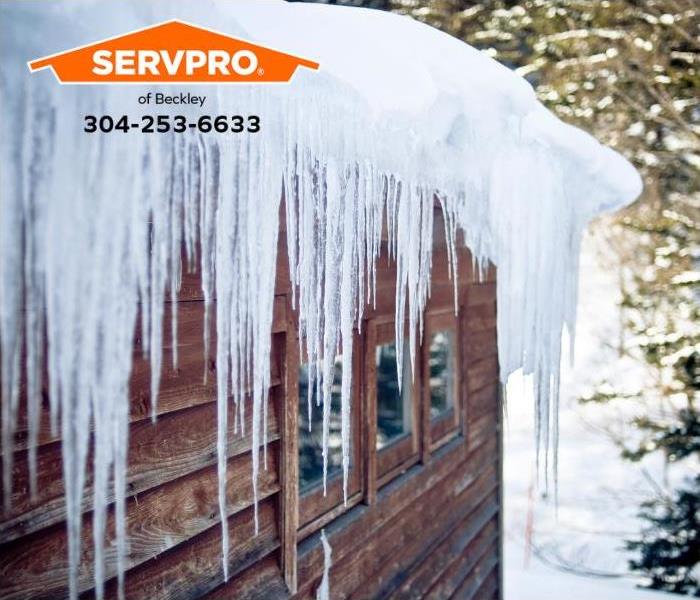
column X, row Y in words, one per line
column 174, row 123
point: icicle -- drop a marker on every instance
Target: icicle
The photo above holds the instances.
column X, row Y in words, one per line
column 161, row 214
column 347, row 318
column 224, row 280
column 209, row 200
column 176, row 193
column 332, row 260
column 36, row 153
column 12, row 224
column 324, row 591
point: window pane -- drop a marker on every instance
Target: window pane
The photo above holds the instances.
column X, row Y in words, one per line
column 311, row 442
column 441, row 364
column 394, row 414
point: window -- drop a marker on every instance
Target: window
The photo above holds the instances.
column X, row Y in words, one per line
column 314, row 508
column 394, row 414
column 441, row 372
column 393, row 426
column 394, row 431
column 441, row 368
column 311, row 434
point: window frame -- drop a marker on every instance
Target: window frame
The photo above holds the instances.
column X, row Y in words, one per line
column 315, row 510
column 396, row 457
column 444, row 427
column 372, row 468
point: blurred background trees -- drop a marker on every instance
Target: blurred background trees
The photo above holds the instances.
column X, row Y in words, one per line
column 629, row 73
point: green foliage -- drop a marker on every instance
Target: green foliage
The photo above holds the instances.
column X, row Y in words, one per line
column 677, row 439
column 669, row 547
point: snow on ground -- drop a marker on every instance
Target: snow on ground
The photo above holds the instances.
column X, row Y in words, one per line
column 599, row 493
column 540, row 582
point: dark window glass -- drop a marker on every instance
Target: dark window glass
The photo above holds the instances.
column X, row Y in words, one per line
column 394, row 414
column 311, row 442
column 441, row 365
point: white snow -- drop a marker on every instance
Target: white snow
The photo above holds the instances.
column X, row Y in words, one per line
column 541, row 582
column 398, row 114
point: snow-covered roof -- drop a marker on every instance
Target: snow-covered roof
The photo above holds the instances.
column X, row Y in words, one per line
column 443, row 91
column 397, row 113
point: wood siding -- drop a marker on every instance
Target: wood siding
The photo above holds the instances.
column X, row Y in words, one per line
column 432, row 531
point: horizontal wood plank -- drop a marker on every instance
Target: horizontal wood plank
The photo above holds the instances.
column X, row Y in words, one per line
column 192, row 382
column 479, row 344
column 156, row 521
column 348, row 533
column 477, row 525
column 480, row 317
column 481, row 293
column 193, row 569
column 176, row 444
column 482, row 372
column 262, row 580
column 471, row 586
column 415, row 530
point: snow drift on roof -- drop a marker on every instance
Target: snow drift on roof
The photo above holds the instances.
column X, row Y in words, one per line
column 398, row 115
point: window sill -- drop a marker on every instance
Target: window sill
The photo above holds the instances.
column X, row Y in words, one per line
column 326, row 518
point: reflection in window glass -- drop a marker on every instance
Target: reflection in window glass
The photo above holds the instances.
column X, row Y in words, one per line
column 311, row 442
column 394, row 413
column 441, row 365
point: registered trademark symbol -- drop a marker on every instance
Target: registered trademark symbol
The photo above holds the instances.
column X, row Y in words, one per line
column 261, row 71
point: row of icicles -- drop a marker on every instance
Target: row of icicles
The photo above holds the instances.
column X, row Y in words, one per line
column 101, row 250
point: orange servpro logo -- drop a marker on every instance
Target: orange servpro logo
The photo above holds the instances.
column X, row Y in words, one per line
column 172, row 52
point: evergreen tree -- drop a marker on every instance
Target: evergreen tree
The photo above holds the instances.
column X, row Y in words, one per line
column 669, row 547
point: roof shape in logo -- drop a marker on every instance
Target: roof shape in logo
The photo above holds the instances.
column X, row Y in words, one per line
column 172, row 52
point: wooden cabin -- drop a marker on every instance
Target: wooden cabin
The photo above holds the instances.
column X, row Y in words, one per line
column 423, row 518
